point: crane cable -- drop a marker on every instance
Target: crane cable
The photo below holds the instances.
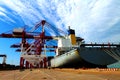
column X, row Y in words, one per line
column 56, row 30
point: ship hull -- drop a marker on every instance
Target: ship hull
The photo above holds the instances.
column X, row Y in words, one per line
column 99, row 56
column 84, row 57
column 65, row 59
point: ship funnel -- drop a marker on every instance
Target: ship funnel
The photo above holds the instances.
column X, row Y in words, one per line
column 71, row 34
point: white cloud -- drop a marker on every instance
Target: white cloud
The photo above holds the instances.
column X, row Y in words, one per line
column 89, row 20
column 2, row 9
column 2, row 14
column 87, row 17
column 113, row 38
column 6, row 18
column 27, row 12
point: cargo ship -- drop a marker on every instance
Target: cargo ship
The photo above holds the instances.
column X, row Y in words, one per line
column 72, row 51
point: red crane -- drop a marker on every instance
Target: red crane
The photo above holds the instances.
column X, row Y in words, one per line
column 35, row 48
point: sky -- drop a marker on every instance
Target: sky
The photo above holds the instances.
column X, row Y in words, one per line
column 94, row 20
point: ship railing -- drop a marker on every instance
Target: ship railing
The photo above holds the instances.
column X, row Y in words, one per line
column 100, row 45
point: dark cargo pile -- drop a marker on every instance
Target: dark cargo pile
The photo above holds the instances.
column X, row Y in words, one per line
column 8, row 67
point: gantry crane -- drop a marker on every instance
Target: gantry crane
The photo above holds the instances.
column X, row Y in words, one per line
column 31, row 52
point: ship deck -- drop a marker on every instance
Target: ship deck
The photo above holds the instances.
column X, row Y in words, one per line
column 61, row 74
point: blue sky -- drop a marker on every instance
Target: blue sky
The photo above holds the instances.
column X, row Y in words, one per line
column 94, row 20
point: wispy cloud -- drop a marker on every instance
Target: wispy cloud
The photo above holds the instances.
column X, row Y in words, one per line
column 5, row 18
column 27, row 12
column 2, row 9
column 93, row 20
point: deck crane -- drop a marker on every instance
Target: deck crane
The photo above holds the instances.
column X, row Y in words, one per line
column 31, row 52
